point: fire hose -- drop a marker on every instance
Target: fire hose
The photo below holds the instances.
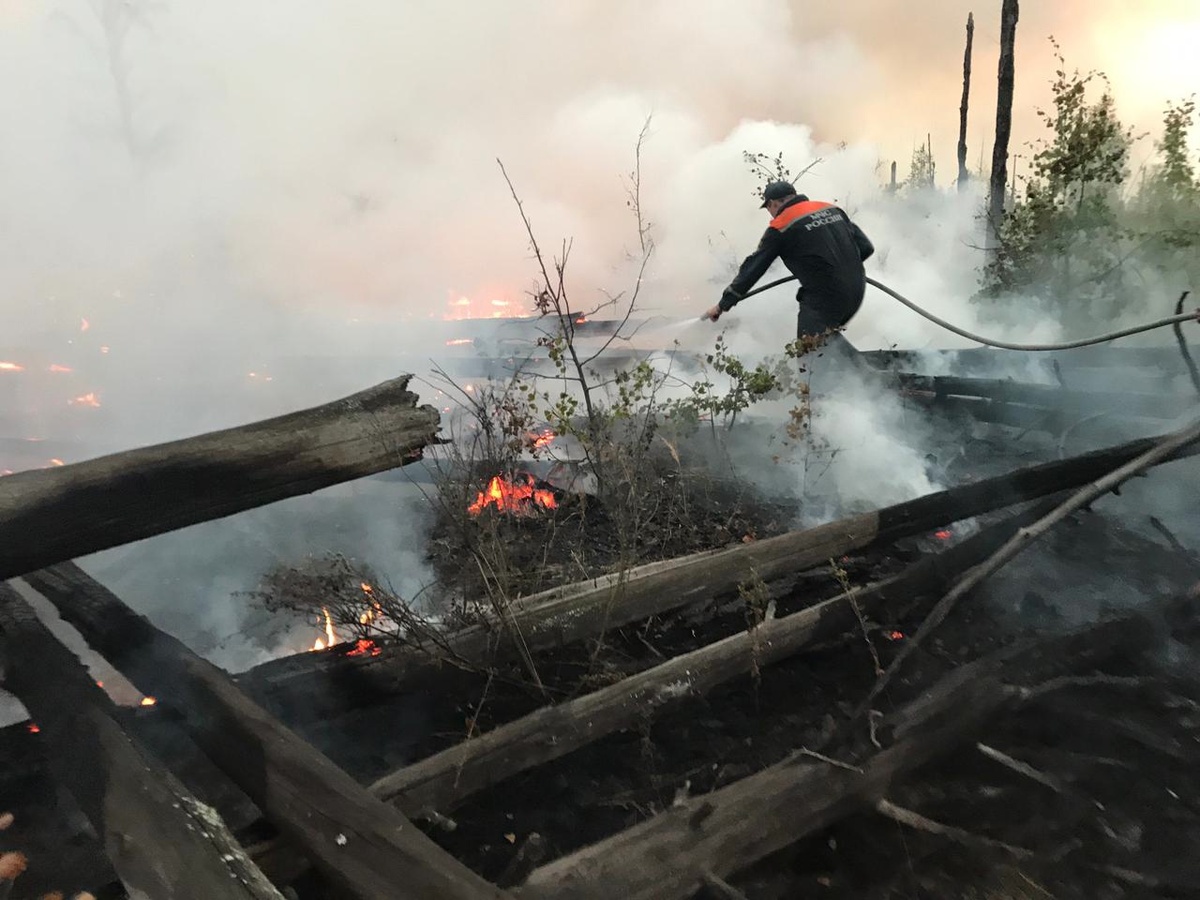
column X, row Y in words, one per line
column 1165, row 322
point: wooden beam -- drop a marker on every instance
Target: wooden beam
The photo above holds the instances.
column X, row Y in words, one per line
column 366, row 847
column 51, row 515
column 444, row 779
column 1051, row 396
column 583, row 611
column 162, row 841
column 731, row 828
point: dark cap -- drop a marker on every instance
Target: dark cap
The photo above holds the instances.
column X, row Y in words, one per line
column 776, row 190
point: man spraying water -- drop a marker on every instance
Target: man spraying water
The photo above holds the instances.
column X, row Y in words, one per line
column 819, row 245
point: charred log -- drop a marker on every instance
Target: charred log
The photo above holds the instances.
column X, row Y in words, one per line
column 161, row 840
column 361, row 844
column 963, row 175
column 1049, row 397
column 733, row 827
column 442, row 780
column 50, row 515
column 584, row 611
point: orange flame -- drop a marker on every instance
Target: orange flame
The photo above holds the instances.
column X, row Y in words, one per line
column 895, row 635
column 88, row 399
column 543, row 438
column 33, row 729
column 55, row 367
column 149, row 701
column 944, row 535
column 11, row 367
column 57, row 462
column 331, row 637
column 510, row 496
column 458, row 342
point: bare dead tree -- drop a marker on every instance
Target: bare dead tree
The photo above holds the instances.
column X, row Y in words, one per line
column 963, row 175
column 1004, row 101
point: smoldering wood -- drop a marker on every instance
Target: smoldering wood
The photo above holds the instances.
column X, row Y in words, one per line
column 51, row 515
column 446, row 778
column 1110, row 481
column 161, row 840
column 1048, row 396
column 963, row 175
column 333, row 680
column 725, row 831
column 1009, row 14
column 362, row 845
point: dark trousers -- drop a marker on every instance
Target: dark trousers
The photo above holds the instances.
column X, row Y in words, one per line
column 821, row 315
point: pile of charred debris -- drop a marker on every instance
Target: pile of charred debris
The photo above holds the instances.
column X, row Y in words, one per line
column 871, row 708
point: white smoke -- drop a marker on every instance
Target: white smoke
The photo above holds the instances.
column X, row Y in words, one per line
column 303, row 189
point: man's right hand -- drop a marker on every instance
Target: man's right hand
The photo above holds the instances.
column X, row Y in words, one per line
column 713, row 313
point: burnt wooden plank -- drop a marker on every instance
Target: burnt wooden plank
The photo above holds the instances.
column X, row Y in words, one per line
column 160, row 839
column 723, row 832
column 364, row 846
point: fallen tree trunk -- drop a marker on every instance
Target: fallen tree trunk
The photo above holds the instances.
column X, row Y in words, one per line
column 444, row 779
column 364, row 846
column 584, row 611
column 725, row 831
column 162, row 841
column 1050, row 396
column 51, row 515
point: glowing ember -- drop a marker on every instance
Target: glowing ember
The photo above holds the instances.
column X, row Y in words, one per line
column 32, row 728
column 363, row 647
column 11, row 367
column 149, row 701
column 55, row 367
column 84, row 324
column 944, row 535
column 513, row 497
column 895, row 635
column 88, row 399
column 580, row 320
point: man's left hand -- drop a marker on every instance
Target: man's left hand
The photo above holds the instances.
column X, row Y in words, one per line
column 712, row 314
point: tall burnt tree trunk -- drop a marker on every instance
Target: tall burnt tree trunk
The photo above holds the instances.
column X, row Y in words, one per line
column 1004, row 102
column 963, row 175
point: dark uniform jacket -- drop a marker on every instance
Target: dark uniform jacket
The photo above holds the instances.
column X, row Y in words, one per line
column 818, row 244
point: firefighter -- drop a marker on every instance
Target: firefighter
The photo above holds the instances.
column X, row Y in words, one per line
column 820, row 246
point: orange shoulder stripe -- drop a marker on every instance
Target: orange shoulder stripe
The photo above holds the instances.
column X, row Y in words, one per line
column 798, row 211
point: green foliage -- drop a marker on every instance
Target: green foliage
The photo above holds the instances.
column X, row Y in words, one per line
column 1081, row 235
column 706, row 400
column 922, row 170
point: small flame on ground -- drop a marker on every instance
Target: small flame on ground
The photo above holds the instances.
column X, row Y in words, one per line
column 57, row 462
column 149, row 701
column 55, row 367
column 510, row 496
column 543, row 439
column 11, row 367
column 4, row 472
column 458, row 342
column 895, row 635
column 944, row 535
column 32, row 728
column 88, row 399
